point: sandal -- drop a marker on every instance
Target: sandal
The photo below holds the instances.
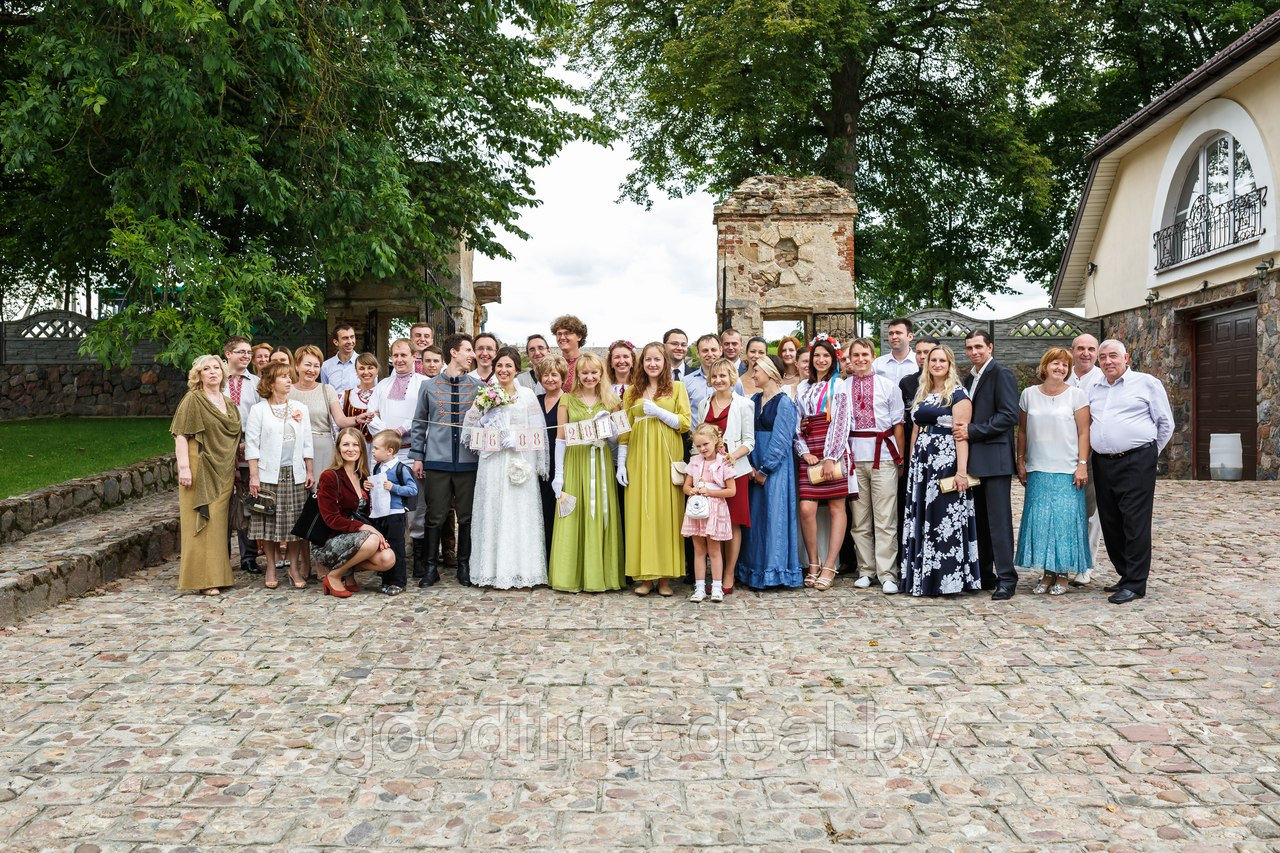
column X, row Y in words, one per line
column 823, row 583
column 271, row 582
column 1040, row 588
column 811, row 577
column 1059, row 588
column 298, row 583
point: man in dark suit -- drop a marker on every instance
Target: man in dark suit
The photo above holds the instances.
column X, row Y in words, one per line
column 994, row 391
column 909, row 386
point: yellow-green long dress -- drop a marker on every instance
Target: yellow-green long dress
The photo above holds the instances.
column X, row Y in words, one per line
column 655, row 506
column 586, row 545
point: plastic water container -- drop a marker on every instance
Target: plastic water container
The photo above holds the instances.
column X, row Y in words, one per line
column 1226, row 456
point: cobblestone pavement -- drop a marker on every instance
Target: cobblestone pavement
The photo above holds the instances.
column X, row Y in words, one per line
column 453, row 717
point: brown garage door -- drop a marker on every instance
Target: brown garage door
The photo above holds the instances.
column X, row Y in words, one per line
column 1226, row 396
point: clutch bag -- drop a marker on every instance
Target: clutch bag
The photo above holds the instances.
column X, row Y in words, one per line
column 815, row 474
column 263, row 504
column 948, row 484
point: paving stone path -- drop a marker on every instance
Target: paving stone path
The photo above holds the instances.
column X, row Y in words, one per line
column 140, row 718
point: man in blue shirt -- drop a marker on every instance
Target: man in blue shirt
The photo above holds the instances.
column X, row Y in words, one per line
column 340, row 370
column 695, row 381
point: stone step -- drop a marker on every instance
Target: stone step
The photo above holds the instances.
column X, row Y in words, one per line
column 72, row 558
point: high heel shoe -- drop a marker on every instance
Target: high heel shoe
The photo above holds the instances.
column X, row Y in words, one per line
column 350, row 583
column 341, row 592
column 823, row 583
column 811, row 577
column 298, row 583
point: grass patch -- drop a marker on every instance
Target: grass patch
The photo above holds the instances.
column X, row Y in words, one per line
column 44, row 451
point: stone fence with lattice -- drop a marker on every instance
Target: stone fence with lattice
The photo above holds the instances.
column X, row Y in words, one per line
column 1019, row 340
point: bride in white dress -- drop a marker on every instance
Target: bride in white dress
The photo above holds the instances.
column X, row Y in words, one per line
column 507, row 548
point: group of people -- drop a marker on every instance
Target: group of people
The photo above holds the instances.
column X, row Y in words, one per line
column 561, row 467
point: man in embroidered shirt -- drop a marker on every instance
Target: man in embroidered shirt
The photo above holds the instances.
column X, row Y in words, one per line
column 899, row 362
column 394, row 402
column 1084, row 373
column 339, row 371
column 875, row 446
column 1130, row 425
column 242, row 388
column 447, row 464
column 486, row 350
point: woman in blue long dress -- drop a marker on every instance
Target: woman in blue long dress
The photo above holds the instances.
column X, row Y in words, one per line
column 771, row 554
column 940, row 531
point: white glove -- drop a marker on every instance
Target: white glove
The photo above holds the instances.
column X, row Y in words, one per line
column 622, row 465
column 652, row 409
column 557, row 484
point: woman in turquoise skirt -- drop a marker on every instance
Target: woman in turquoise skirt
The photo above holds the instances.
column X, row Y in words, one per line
column 586, row 546
column 1053, row 446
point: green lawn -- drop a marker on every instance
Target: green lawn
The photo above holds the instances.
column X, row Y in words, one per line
column 44, row 451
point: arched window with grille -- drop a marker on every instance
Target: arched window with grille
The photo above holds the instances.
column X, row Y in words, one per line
column 1218, row 203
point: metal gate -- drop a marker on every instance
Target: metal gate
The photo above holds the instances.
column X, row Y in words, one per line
column 844, row 325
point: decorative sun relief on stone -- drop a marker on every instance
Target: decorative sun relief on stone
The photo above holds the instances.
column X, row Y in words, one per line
column 783, row 256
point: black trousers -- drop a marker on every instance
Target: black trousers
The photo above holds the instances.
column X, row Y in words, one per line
column 995, row 531
column 445, row 489
column 1126, row 489
column 392, row 528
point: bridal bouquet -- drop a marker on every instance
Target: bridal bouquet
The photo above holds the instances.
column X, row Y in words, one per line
column 492, row 397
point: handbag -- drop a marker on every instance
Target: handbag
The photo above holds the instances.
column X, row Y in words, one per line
column 237, row 512
column 310, row 524
column 815, row 474
column 678, row 471
column 948, row 484
column 697, row 507
column 264, row 503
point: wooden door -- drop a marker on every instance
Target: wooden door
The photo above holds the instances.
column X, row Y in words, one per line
column 1226, row 395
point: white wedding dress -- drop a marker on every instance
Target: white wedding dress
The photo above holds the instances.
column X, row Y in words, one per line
column 507, row 541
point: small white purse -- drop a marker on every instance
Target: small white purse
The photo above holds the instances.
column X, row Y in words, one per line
column 697, row 507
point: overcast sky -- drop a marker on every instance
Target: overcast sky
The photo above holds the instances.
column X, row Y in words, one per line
column 626, row 271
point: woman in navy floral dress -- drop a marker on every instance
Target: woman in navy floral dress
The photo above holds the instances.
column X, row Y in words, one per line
column 940, row 532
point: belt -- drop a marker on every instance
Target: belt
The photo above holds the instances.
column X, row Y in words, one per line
column 1124, row 453
column 881, row 440
column 933, row 429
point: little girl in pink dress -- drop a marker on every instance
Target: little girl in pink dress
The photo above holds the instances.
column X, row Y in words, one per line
column 709, row 474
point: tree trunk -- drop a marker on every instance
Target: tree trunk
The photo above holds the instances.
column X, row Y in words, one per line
column 842, row 126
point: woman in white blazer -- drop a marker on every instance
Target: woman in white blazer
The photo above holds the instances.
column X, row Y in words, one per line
column 733, row 414
column 277, row 446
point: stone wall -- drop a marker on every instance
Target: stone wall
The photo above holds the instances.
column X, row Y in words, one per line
column 27, row 513
column 786, row 251
column 40, row 390
column 1160, row 340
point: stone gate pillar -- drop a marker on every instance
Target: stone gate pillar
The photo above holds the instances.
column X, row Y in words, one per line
column 785, row 251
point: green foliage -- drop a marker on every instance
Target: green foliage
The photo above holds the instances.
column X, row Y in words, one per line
column 215, row 161
column 960, row 126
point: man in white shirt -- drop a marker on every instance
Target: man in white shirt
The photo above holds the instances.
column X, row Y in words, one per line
column 242, row 387
column 1084, row 373
column 421, row 336
column 486, row 347
column 1130, row 425
column 695, row 381
column 535, row 349
column 874, row 445
column 676, row 343
column 394, row 401
column 899, row 362
column 339, row 371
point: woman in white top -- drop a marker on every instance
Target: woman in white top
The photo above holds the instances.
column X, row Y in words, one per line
column 735, row 417
column 278, row 448
column 1053, row 448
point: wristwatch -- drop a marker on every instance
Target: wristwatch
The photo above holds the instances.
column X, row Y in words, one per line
column 1082, row 461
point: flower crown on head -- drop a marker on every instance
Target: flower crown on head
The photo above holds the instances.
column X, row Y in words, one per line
column 830, row 339
column 623, row 342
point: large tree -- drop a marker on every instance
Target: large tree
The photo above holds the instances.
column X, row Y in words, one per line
column 959, row 125
column 210, row 161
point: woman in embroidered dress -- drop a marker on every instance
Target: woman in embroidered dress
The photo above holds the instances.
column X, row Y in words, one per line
column 586, row 549
column 822, row 442
column 206, row 434
column 659, row 412
column 355, row 401
column 508, row 551
column 940, row 529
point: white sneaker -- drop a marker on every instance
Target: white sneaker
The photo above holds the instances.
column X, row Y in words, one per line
column 863, row 582
column 717, row 595
column 889, row 587
column 698, row 596
column 1082, row 579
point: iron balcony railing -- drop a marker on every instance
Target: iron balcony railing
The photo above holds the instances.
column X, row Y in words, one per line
column 1208, row 228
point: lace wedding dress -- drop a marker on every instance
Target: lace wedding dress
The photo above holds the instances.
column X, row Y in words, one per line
column 507, row 547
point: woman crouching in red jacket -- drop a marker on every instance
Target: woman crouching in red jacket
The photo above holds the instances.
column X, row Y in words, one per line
column 355, row 545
